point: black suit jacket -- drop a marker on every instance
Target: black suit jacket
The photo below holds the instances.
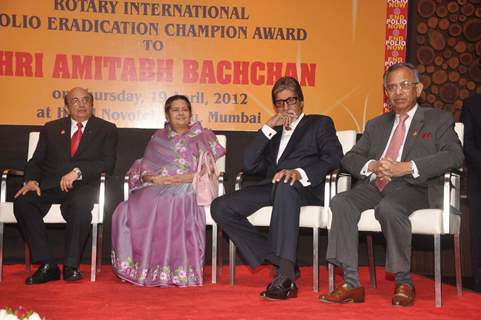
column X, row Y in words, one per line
column 313, row 147
column 472, row 132
column 51, row 160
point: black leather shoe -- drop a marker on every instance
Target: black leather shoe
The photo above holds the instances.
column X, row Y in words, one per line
column 280, row 289
column 45, row 273
column 297, row 271
column 72, row 274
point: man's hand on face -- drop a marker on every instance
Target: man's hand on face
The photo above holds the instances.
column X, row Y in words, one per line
column 67, row 181
column 275, row 120
column 31, row 185
column 280, row 119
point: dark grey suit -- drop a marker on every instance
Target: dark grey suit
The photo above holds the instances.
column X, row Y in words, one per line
column 433, row 146
column 313, row 147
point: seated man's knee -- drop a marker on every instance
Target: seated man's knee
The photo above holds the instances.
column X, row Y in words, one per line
column 21, row 204
column 338, row 201
column 80, row 209
column 284, row 189
column 218, row 208
column 387, row 210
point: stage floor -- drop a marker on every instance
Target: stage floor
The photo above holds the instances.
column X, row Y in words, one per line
column 110, row 298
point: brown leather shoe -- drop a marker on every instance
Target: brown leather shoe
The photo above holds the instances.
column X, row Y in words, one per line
column 404, row 295
column 344, row 294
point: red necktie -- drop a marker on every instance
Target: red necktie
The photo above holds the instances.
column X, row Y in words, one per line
column 75, row 141
column 394, row 146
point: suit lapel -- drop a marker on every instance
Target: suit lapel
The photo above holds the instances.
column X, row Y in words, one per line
column 295, row 138
column 64, row 136
column 384, row 133
column 415, row 127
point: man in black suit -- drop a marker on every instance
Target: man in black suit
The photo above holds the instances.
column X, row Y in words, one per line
column 71, row 154
column 294, row 152
column 472, row 149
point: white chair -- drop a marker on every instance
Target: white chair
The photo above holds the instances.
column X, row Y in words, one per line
column 53, row 216
column 313, row 217
column 435, row 222
column 220, row 165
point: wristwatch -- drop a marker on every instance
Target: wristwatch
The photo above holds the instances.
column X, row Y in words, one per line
column 78, row 172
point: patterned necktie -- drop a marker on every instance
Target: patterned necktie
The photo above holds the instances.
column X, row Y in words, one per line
column 75, row 141
column 394, row 146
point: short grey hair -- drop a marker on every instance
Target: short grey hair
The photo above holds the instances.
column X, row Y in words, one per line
column 401, row 65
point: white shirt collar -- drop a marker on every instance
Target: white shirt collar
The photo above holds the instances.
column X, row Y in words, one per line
column 74, row 122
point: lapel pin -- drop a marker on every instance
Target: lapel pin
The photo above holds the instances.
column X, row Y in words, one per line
column 62, row 132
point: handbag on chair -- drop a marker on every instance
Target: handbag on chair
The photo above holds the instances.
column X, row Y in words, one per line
column 205, row 182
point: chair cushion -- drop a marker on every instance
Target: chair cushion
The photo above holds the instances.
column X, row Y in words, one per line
column 53, row 216
column 6, row 213
column 368, row 222
column 430, row 221
column 208, row 218
column 425, row 221
column 310, row 217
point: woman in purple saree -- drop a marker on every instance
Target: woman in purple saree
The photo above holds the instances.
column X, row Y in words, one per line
column 158, row 234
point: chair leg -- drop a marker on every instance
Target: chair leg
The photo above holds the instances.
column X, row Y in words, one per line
column 437, row 270
column 331, row 270
column 315, row 259
column 232, row 262
column 214, row 253
column 93, row 263
column 1, row 251
column 371, row 262
column 100, row 246
column 220, row 253
column 28, row 262
column 332, row 276
column 457, row 265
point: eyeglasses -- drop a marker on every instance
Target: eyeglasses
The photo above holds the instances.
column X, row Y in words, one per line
column 83, row 100
column 289, row 101
column 404, row 86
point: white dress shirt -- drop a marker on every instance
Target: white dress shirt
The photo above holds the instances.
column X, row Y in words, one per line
column 73, row 129
column 73, row 126
column 286, row 136
column 407, row 124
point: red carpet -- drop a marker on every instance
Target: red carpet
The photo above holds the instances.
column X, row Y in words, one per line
column 109, row 298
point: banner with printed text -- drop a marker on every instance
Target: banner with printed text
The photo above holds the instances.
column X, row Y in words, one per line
column 224, row 55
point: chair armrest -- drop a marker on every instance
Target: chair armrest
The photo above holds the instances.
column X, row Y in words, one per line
column 103, row 177
column 126, row 187
column 239, row 179
column 451, row 196
column 242, row 178
column 12, row 172
column 220, row 179
column 340, row 181
column 5, row 174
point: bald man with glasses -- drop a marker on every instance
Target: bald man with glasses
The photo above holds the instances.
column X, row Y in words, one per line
column 293, row 152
